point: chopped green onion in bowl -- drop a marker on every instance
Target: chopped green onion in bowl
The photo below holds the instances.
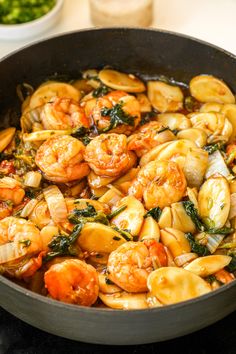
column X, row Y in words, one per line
column 22, row 11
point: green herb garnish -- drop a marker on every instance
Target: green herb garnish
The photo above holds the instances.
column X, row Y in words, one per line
column 211, row 279
column 154, row 212
column 89, row 214
column 102, row 90
column 231, row 267
column 124, row 233
column 64, row 245
column 117, row 117
column 192, row 212
column 21, row 11
column 196, row 247
column 214, row 147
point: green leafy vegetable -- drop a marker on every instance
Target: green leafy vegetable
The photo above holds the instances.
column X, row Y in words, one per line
column 192, row 212
column 231, row 267
column 89, row 214
column 214, row 147
column 154, row 212
column 63, row 245
column 204, row 225
column 117, row 117
column 102, row 90
column 221, row 231
column 4, row 156
column 210, row 279
column 190, row 104
column 196, row 247
column 125, row 233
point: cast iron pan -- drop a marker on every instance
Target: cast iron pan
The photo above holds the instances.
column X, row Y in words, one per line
column 149, row 53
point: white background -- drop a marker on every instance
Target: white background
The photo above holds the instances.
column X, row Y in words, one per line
column 211, row 20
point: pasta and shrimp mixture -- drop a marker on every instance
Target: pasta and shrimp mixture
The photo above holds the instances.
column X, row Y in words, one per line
column 118, row 192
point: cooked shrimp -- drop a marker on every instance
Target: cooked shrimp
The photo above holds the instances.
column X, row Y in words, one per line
column 10, row 189
column 5, row 210
column 129, row 105
column 61, row 159
column 18, row 238
column 131, row 263
column 159, row 183
column 63, row 113
column 72, row 281
column 107, row 155
column 148, row 136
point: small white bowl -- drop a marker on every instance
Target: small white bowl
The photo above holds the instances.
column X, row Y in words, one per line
column 32, row 28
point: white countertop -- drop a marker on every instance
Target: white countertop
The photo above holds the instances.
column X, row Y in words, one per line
column 210, row 20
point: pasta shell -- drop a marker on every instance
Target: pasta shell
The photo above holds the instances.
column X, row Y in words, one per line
column 150, row 229
column 207, row 88
column 53, row 89
column 195, row 166
column 6, row 137
column 124, row 300
column 145, row 105
column 174, row 121
column 132, row 217
column 105, row 286
column 171, row 285
column 99, row 238
column 214, row 201
column 172, row 150
column 180, row 220
column 111, row 197
column 164, row 97
column 204, row 266
column 197, row 135
column 121, row 81
column 175, row 217
column 229, row 110
column 211, row 107
column 216, row 125
column 175, row 241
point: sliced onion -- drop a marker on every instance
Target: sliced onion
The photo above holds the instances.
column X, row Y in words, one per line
column 185, row 258
column 216, row 164
column 32, row 179
column 213, row 241
column 56, row 203
column 10, row 251
column 28, row 208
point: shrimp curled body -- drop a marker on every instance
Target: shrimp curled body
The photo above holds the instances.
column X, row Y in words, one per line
column 107, row 155
column 18, row 238
column 62, row 114
column 10, row 189
column 61, row 159
column 131, row 263
column 130, row 106
column 148, row 136
column 159, row 183
column 72, row 281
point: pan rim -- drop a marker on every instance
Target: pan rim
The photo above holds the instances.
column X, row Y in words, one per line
column 129, row 29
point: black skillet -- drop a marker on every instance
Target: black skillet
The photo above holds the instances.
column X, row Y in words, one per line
column 149, row 53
